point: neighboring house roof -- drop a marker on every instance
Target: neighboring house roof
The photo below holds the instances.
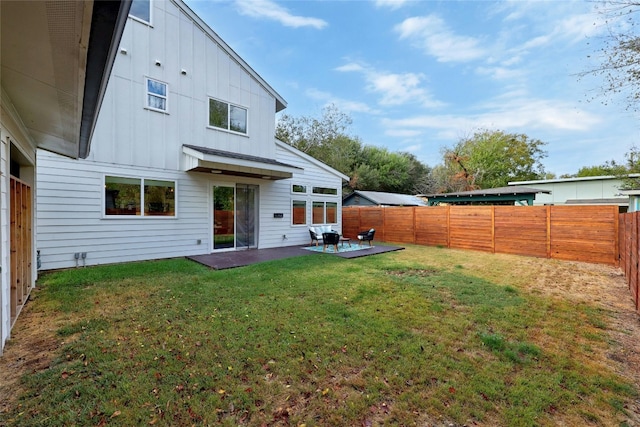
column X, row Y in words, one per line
column 620, row 201
column 56, row 61
column 381, row 198
column 505, row 194
column 281, row 104
column 311, row 159
column 578, row 179
column 229, row 163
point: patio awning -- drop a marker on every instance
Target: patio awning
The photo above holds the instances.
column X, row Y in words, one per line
column 203, row 159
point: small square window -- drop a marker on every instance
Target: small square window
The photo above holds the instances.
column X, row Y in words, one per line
column 156, row 95
column 296, row 188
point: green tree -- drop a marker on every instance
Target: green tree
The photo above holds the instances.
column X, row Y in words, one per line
column 492, row 158
column 370, row 168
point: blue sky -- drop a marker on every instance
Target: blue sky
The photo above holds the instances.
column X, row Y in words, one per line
column 417, row 76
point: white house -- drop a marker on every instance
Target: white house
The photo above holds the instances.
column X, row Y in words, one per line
column 589, row 190
column 55, row 61
column 183, row 159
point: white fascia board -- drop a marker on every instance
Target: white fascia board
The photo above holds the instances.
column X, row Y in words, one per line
column 311, row 159
column 281, row 104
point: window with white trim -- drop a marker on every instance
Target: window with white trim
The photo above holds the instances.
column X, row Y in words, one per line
column 297, row 188
column 324, row 213
column 223, row 115
column 299, row 212
column 125, row 196
column 325, row 190
column 141, row 10
column 156, row 95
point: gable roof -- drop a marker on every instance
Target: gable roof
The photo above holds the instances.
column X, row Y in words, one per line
column 311, row 159
column 387, row 199
column 281, row 104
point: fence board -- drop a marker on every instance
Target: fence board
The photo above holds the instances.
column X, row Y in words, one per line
column 521, row 231
column 580, row 233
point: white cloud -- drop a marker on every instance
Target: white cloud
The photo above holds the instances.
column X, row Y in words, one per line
column 519, row 115
column 392, row 4
column 271, row 10
column 432, row 34
column 394, row 88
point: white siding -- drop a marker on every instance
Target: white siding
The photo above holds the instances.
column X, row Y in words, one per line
column 11, row 132
column 130, row 140
column 129, row 134
column 70, row 220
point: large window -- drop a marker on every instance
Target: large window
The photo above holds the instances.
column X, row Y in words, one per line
column 325, row 213
column 138, row 197
column 156, row 95
column 226, row 116
column 299, row 213
column 141, row 10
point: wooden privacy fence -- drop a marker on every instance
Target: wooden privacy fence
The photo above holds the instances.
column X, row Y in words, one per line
column 629, row 247
column 575, row 233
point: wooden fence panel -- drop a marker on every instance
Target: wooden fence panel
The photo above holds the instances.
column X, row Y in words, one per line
column 586, row 234
column 350, row 222
column 400, row 228
column 471, row 227
column 579, row 233
column 634, row 243
column 521, row 230
column 432, row 226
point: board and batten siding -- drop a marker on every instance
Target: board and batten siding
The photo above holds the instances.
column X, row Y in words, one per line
column 129, row 134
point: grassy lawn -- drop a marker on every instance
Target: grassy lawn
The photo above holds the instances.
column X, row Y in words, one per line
column 424, row 336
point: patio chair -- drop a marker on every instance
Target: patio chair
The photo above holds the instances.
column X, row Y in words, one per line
column 314, row 236
column 366, row 236
column 332, row 238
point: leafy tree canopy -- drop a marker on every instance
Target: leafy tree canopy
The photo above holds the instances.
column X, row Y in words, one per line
column 491, row 158
column 370, row 168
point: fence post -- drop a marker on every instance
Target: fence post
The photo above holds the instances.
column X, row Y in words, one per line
column 493, row 229
column 448, row 226
column 548, row 231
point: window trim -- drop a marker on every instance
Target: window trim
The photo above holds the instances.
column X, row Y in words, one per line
column 306, row 191
column 142, row 201
column 140, row 20
column 306, row 216
column 228, row 128
column 324, row 212
column 147, row 93
column 324, row 194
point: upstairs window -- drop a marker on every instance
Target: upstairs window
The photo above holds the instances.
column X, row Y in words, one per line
column 223, row 115
column 156, row 95
column 141, row 10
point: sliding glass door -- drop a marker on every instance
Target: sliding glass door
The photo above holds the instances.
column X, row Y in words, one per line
column 235, row 216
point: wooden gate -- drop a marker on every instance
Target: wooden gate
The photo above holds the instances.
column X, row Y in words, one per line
column 21, row 245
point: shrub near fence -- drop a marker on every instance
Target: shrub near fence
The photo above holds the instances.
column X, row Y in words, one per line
column 576, row 233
